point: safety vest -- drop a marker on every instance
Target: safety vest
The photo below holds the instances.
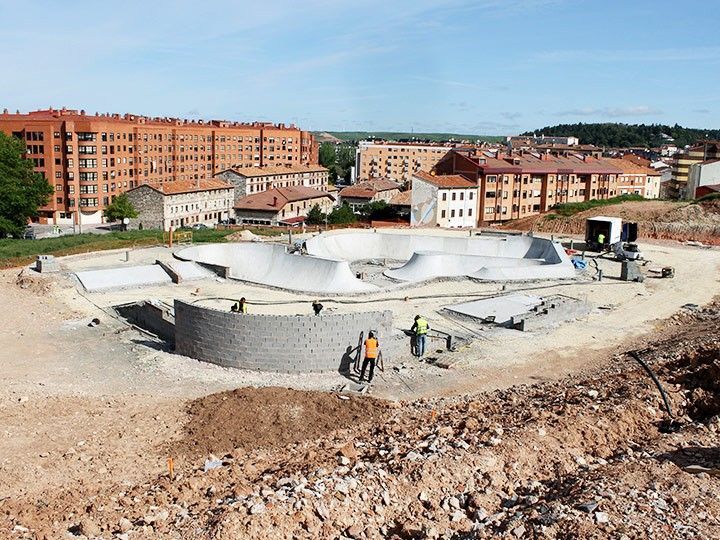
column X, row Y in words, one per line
column 421, row 327
column 371, row 348
column 601, row 238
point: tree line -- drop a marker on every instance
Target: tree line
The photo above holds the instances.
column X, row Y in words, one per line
column 624, row 135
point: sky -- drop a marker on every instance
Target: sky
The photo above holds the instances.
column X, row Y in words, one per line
column 486, row 67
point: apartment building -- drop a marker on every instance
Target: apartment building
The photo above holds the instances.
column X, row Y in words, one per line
column 524, row 184
column 447, row 201
column 281, row 206
column 182, row 203
column 256, row 179
column 704, row 178
column 681, row 163
column 636, row 179
column 395, row 160
column 89, row 159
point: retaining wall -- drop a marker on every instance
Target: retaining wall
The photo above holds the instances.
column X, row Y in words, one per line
column 278, row 343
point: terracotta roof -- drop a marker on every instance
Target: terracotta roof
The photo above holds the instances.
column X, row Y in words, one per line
column 254, row 172
column 186, row 186
column 273, row 200
column 637, row 160
column 404, row 198
column 369, row 188
column 448, row 181
column 631, row 167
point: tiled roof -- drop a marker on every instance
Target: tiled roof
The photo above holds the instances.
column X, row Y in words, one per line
column 404, row 198
column 631, row 167
column 445, row 180
column 254, row 172
column 186, row 186
column 273, row 200
column 369, row 188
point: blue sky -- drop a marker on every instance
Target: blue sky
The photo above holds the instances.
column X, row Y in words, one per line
column 482, row 66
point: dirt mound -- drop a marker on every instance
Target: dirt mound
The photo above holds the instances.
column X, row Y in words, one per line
column 656, row 219
column 251, row 418
column 34, row 284
column 243, row 236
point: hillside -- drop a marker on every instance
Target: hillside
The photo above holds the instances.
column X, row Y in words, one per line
column 656, row 219
column 624, row 135
column 335, row 136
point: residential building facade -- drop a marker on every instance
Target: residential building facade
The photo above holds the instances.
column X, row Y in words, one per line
column 256, row 179
column 636, row 179
column 681, row 163
column 395, row 160
column 89, row 159
column 448, row 201
column 182, row 203
column 362, row 193
column 528, row 183
column 281, row 206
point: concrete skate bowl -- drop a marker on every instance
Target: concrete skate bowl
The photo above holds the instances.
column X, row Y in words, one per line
column 279, row 343
column 272, row 265
column 492, row 258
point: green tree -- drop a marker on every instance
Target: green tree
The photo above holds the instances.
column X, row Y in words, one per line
column 315, row 216
column 326, row 156
column 378, row 210
column 22, row 191
column 341, row 215
column 344, row 161
column 120, row 208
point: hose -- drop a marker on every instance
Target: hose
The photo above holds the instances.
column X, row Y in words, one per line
column 647, row 369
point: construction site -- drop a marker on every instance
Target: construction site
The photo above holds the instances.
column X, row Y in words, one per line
column 568, row 388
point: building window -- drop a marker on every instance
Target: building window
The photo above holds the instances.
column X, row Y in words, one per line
column 442, row 213
column 444, row 196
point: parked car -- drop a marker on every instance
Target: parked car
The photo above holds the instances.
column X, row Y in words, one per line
column 199, row 226
column 29, row 234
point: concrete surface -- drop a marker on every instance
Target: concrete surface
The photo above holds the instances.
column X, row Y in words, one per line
column 502, row 308
column 121, row 278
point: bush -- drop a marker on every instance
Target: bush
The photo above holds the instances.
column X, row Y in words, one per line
column 570, row 209
column 342, row 215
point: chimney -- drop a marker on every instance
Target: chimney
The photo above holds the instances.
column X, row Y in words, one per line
column 274, row 201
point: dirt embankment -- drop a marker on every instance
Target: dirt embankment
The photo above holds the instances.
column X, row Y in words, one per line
column 587, row 457
column 656, row 219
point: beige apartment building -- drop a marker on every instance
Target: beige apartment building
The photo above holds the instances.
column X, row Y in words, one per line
column 636, row 179
column 683, row 160
column 90, row 158
column 256, row 179
column 398, row 161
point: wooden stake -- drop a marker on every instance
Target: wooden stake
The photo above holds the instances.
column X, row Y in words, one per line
column 171, row 468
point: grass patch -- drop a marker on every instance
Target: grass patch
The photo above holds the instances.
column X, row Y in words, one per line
column 18, row 252
column 570, row 209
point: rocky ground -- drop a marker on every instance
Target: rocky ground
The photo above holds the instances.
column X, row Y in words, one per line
column 593, row 456
column 668, row 220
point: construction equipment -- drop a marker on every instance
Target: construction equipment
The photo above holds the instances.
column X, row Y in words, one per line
column 610, row 233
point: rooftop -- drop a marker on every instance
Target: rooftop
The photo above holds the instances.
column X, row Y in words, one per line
column 369, row 188
column 447, row 181
column 256, row 172
column 186, row 186
column 273, row 200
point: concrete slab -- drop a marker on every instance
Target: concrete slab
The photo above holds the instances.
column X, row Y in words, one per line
column 502, row 308
column 121, row 278
column 190, row 271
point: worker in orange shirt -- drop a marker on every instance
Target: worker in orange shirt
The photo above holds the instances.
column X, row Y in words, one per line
column 372, row 349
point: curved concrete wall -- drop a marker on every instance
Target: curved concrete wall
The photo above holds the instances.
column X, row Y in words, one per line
column 285, row 344
column 270, row 264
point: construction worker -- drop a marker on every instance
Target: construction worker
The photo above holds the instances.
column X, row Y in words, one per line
column 240, row 306
column 420, row 329
column 372, row 349
column 317, row 307
column 601, row 240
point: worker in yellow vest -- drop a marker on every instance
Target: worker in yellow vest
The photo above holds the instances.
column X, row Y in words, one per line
column 239, row 306
column 420, row 330
column 372, row 349
column 601, row 240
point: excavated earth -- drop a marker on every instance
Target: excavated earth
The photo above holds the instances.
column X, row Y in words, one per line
column 668, row 220
column 589, row 457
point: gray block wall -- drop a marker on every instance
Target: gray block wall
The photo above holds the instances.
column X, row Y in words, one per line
column 277, row 343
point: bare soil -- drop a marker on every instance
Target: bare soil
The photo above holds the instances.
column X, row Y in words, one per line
column 666, row 220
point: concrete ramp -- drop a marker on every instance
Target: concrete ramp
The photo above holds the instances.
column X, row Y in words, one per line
column 123, row 278
column 500, row 309
column 271, row 265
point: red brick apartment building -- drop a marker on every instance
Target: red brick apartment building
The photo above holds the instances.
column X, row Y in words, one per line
column 89, row 159
column 528, row 183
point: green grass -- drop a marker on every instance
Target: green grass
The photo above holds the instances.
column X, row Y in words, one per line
column 570, row 209
column 14, row 252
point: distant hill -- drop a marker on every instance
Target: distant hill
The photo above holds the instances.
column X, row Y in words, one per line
column 349, row 136
column 624, row 135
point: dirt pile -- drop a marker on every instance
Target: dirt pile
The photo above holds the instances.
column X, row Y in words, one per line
column 34, row 284
column 251, row 418
column 579, row 458
column 656, row 219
